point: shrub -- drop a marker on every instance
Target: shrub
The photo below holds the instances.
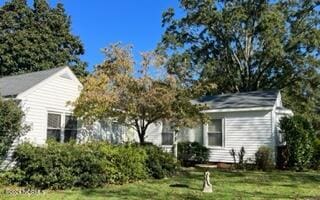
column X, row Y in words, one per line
column 10, row 124
column 241, row 155
column 299, row 136
column 316, row 155
column 60, row 166
column 159, row 163
column 241, row 164
column 190, row 153
column 234, row 156
column 264, row 158
column 282, row 157
column 124, row 163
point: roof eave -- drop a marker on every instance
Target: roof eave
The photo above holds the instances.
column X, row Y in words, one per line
column 218, row 110
column 10, row 96
column 284, row 111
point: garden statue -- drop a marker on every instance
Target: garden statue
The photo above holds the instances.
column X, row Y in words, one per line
column 207, row 187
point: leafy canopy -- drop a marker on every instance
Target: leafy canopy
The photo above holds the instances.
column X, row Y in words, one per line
column 247, row 45
column 11, row 125
column 37, row 38
column 135, row 98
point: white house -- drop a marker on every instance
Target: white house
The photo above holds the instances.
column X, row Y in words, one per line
column 248, row 120
column 44, row 97
column 243, row 119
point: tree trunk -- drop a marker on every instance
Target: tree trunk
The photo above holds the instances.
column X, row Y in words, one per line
column 141, row 136
column 141, row 131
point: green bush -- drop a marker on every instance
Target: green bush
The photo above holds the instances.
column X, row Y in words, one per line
column 124, row 163
column 190, row 153
column 299, row 137
column 264, row 158
column 316, row 155
column 10, row 124
column 60, row 166
column 159, row 163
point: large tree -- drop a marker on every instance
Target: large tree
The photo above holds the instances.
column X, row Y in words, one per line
column 246, row 45
column 135, row 98
column 37, row 38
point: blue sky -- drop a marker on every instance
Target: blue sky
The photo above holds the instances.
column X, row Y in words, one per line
column 101, row 22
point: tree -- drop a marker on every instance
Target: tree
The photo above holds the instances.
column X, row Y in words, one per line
column 299, row 136
column 11, row 125
column 138, row 99
column 247, row 45
column 37, row 38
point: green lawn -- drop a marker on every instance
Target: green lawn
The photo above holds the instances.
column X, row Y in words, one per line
column 227, row 185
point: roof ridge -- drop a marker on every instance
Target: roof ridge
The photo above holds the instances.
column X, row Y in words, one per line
column 16, row 84
column 28, row 73
column 259, row 98
column 255, row 91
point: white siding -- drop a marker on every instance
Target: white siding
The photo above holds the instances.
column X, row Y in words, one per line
column 153, row 134
column 52, row 95
column 250, row 129
column 155, row 130
column 243, row 129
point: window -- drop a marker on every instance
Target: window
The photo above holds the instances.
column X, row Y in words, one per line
column 167, row 134
column 215, row 132
column 54, row 127
column 70, row 131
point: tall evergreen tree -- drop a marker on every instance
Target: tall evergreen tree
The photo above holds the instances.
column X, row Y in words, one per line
column 37, row 38
column 246, row 45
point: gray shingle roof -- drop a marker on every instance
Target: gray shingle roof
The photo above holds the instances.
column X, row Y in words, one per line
column 14, row 85
column 239, row 100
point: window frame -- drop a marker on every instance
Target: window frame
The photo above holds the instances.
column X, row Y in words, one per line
column 55, row 129
column 222, row 134
column 68, row 128
column 170, row 131
column 63, row 127
column 172, row 135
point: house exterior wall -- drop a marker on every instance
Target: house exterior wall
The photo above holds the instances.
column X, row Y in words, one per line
column 243, row 129
column 250, row 129
column 52, row 95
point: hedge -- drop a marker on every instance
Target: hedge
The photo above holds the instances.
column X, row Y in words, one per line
column 61, row 166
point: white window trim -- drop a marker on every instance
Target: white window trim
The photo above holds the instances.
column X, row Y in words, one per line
column 206, row 137
column 167, row 145
column 173, row 137
column 62, row 122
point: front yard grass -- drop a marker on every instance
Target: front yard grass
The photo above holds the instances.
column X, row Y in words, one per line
column 226, row 185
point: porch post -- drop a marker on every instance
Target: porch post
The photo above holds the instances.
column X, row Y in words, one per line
column 175, row 142
column 205, row 135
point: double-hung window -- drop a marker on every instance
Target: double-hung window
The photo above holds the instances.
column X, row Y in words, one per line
column 70, row 130
column 167, row 134
column 215, row 132
column 54, row 127
column 61, row 127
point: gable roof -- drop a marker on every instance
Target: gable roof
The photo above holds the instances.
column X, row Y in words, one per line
column 240, row 100
column 11, row 86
